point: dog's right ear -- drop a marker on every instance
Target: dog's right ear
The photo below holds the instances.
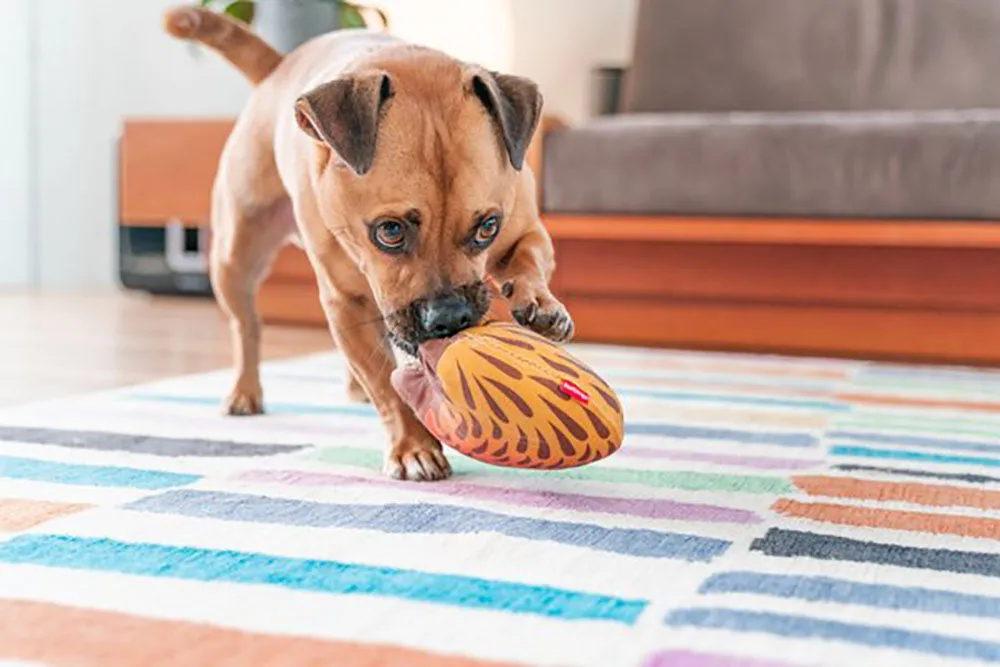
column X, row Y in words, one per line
column 344, row 114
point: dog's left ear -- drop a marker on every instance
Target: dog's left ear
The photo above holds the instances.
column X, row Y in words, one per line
column 515, row 105
column 344, row 114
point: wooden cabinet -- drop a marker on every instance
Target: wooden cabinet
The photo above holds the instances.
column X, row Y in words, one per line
column 167, row 168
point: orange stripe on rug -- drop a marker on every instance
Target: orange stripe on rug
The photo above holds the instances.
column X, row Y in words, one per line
column 17, row 514
column 867, row 517
column 57, row 635
column 932, row 495
column 909, row 401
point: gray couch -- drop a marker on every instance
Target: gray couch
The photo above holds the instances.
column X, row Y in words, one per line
column 802, row 108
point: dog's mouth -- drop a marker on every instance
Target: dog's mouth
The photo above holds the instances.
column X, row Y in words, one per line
column 408, row 327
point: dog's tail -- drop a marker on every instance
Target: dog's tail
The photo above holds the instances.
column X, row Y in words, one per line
column 227, row 36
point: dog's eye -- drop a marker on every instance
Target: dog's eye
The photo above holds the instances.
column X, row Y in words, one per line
column 486, row 232
column 389, row 236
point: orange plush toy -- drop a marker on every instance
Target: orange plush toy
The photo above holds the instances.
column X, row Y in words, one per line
column 506, row 396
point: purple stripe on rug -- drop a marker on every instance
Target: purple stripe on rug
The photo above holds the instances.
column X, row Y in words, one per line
column 692, row 659
column 651, row 508
column 757, row 462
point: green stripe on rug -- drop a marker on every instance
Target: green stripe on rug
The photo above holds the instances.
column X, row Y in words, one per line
column 666, row 479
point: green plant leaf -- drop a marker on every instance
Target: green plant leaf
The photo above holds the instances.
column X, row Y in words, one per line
column 241, row 10
column 351, row 17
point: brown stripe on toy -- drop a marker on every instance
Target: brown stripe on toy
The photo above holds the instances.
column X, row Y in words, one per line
column 564, row 443
column 522, row 441
column 466, row 389
column 602, row 430
column 609, row 399
column 551, row 386
column 560, row 367
column 516, row 343
column 571, row 425
column 512, row 397
column 490, row 401
column 543, row 446
column 501, row 365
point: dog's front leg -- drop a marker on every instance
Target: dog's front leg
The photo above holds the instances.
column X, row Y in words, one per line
column 524, row 271
column 357, row 326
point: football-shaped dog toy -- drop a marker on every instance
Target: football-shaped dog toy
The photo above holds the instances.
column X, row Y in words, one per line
column 506, row 396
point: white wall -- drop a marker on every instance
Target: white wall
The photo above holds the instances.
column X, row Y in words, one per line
column 16, row 247
column 477, row 31
column 558, row 42
column 555, row 42
column 98, row 61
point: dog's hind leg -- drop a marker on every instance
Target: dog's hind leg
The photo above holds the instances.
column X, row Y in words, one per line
column 246, row 237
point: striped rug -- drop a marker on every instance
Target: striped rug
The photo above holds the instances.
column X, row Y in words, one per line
column 764, row 512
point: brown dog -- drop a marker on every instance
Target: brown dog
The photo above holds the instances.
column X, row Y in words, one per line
column 401, row 173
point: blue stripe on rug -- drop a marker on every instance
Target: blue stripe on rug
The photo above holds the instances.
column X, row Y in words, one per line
column 906, row 455
column 139, row 443
column 432, row 519
column 90, row 475
column 724, row 434
column 843, row 591
column 321, row 576
column 783, row 543
column 803, row 627
column 914, row 441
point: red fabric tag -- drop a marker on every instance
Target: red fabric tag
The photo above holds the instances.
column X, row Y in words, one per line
column 574, row 392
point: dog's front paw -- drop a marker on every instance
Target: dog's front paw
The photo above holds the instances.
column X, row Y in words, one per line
column 538, row 310
column 244, row 401
column 417, row 459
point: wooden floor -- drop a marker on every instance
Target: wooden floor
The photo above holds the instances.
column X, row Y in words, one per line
column 54, row 345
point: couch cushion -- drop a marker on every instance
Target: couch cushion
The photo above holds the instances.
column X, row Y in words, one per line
column 814, row 55
column 857, row 164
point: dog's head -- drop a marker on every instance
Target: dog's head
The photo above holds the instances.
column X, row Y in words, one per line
column 417, row 169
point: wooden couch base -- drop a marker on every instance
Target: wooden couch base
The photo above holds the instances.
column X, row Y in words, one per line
column 913, row 291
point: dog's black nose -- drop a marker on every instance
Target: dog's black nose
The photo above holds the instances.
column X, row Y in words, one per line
column 446, row 315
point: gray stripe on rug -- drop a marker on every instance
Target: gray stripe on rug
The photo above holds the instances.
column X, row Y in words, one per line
column 141, row 444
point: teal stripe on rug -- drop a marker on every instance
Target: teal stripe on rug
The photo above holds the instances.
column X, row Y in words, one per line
column 667, row 479
column 896, row 439
column 90, row 475
column 906, row 455
column 319, row 576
